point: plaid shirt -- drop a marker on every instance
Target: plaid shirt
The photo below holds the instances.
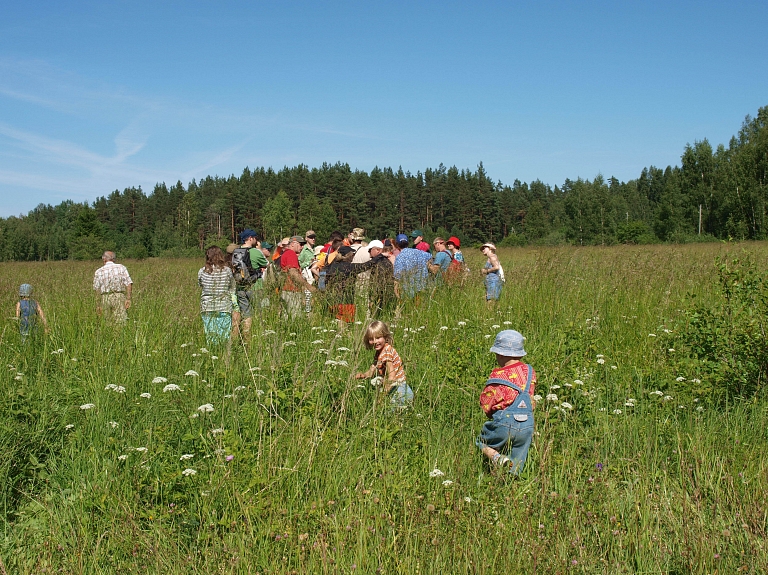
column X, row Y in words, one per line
column 111, row 278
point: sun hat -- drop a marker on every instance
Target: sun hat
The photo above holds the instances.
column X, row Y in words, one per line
column 417, row 233
column 375, row 244
column 488, row 245
column 455, row 241
column 509, row 343
column 25, row 290
column 247, row 233
column 231, row 248
column 358, row 234
column 284, row 243
column 401, row 238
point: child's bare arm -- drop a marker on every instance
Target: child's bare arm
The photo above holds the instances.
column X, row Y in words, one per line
column 387, row 384
column 18, row 310
column 42, row 317
column 366, row 374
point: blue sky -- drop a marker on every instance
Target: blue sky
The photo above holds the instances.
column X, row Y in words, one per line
column 98, row 96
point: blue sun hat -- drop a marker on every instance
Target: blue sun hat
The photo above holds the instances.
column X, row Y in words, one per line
column 25, row 290
column 509, row 343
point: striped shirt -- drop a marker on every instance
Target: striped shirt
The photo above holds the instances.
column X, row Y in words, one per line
column 218, row 290
column 389, row 355
column 111, row 278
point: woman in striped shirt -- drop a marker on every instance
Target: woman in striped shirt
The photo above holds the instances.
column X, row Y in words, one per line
column 218, row 298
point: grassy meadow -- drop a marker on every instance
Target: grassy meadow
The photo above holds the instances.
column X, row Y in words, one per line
column 278, row 461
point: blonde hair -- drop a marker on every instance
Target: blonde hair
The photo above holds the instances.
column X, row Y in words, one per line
column 377, row 329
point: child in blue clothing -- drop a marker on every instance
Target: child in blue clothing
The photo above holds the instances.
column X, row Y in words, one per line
column 27, row 312
column 507, row 400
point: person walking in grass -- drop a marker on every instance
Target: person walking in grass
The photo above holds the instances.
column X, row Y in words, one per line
column 410, row 269
column 27, row 313
column 294, row 284
column 507, row 401
column 248, row 265
column 114, row 285
column 218, row 297
column 387, row 365
column 494, row 274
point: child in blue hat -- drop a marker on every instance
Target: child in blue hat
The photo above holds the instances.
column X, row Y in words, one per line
column 507, row 401
column 27, row 312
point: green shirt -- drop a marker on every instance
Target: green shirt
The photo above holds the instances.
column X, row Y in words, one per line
column 306, row 256
column 258, row 261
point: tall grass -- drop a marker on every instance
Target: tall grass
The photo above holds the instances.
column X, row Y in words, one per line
column 299, row 469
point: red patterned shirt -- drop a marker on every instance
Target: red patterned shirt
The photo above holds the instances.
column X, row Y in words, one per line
column 497, row 396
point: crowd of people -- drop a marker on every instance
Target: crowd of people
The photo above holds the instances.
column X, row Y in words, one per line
column 332, row 276
column 239, row 281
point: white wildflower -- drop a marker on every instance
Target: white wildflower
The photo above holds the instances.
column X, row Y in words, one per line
column 507, row 323
column 554, row 386
column 695, row 380
column 141, row 449
column 629, row 404
column 614, row 367
column 287, row 343
column 270, row 332
column 259, row 392
column 537, row 398
column 146, row 395
column 667, row 398
column 203, row 350
column 160, row 379
column 578, row 382
column 376, row 381
column 342, row 349
column 462, row 323
column 468, row 500
column 122, row 457
column 567, row 385
column 171, row 387
column 436, row 473
column 217, row 431
column 186, row 456
column 495, row 326
column 681, row 406
column 599, row 355
column 214, row 357
column 188, row 471
column 87, row 406
column 617, row 412
column 192, row 373
column 317, row 342
column 205, row 408
column 19, row 377
column 651, row 335
column 657, row 392
column 700, row 408
column 240, row 388
column 443, row 327
column 551, row 397
column 680, row 378
column 69, row 426
column 447, row 483
column 185, row 344
column 488, row 336
column 113, row 424
column 671, row 350
column 566, row 405
column 228, row 396
column 255, row 369
column 601, row 361
column 195, row 355
column 330, row 362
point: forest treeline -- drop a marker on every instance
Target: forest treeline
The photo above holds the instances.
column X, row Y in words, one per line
column 714, row 194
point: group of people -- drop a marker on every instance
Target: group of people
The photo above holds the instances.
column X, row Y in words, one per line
column 345, row 269
column 235, row 283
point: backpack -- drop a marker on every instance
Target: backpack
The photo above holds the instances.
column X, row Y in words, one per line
column 242, row 268
column 456, row 270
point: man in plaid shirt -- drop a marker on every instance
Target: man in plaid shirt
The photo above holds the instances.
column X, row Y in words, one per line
column 114, row 284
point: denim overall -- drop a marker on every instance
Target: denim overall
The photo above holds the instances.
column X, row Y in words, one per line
column 493, row 284
column 511, row 429
column 27, row 317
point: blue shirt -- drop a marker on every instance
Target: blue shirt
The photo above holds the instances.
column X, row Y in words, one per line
column 411, row 270
column 443, row 259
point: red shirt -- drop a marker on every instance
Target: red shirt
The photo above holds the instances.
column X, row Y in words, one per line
column 289, row 259
column 498, row 396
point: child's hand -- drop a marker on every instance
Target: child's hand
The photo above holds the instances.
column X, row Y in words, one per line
column 360, row 376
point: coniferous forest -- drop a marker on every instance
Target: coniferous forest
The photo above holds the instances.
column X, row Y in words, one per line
column 717, row 193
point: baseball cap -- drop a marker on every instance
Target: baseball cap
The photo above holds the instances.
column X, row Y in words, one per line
column 267, row 245
column 509, row 343
column 401, row 238
column 455, row 241
column 310, row 234
column 417, row 233
column 375, row 244
column 248, row 233
column 299, row 239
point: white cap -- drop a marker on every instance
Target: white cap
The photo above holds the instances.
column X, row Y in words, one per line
column 375, row 244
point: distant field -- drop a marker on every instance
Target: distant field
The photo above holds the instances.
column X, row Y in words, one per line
column 301, row 469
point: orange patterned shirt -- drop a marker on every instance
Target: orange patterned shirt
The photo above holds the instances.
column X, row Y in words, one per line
column 497, row 396
column 388, row 354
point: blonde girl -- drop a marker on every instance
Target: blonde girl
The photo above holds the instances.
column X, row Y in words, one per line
column 387, row 365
